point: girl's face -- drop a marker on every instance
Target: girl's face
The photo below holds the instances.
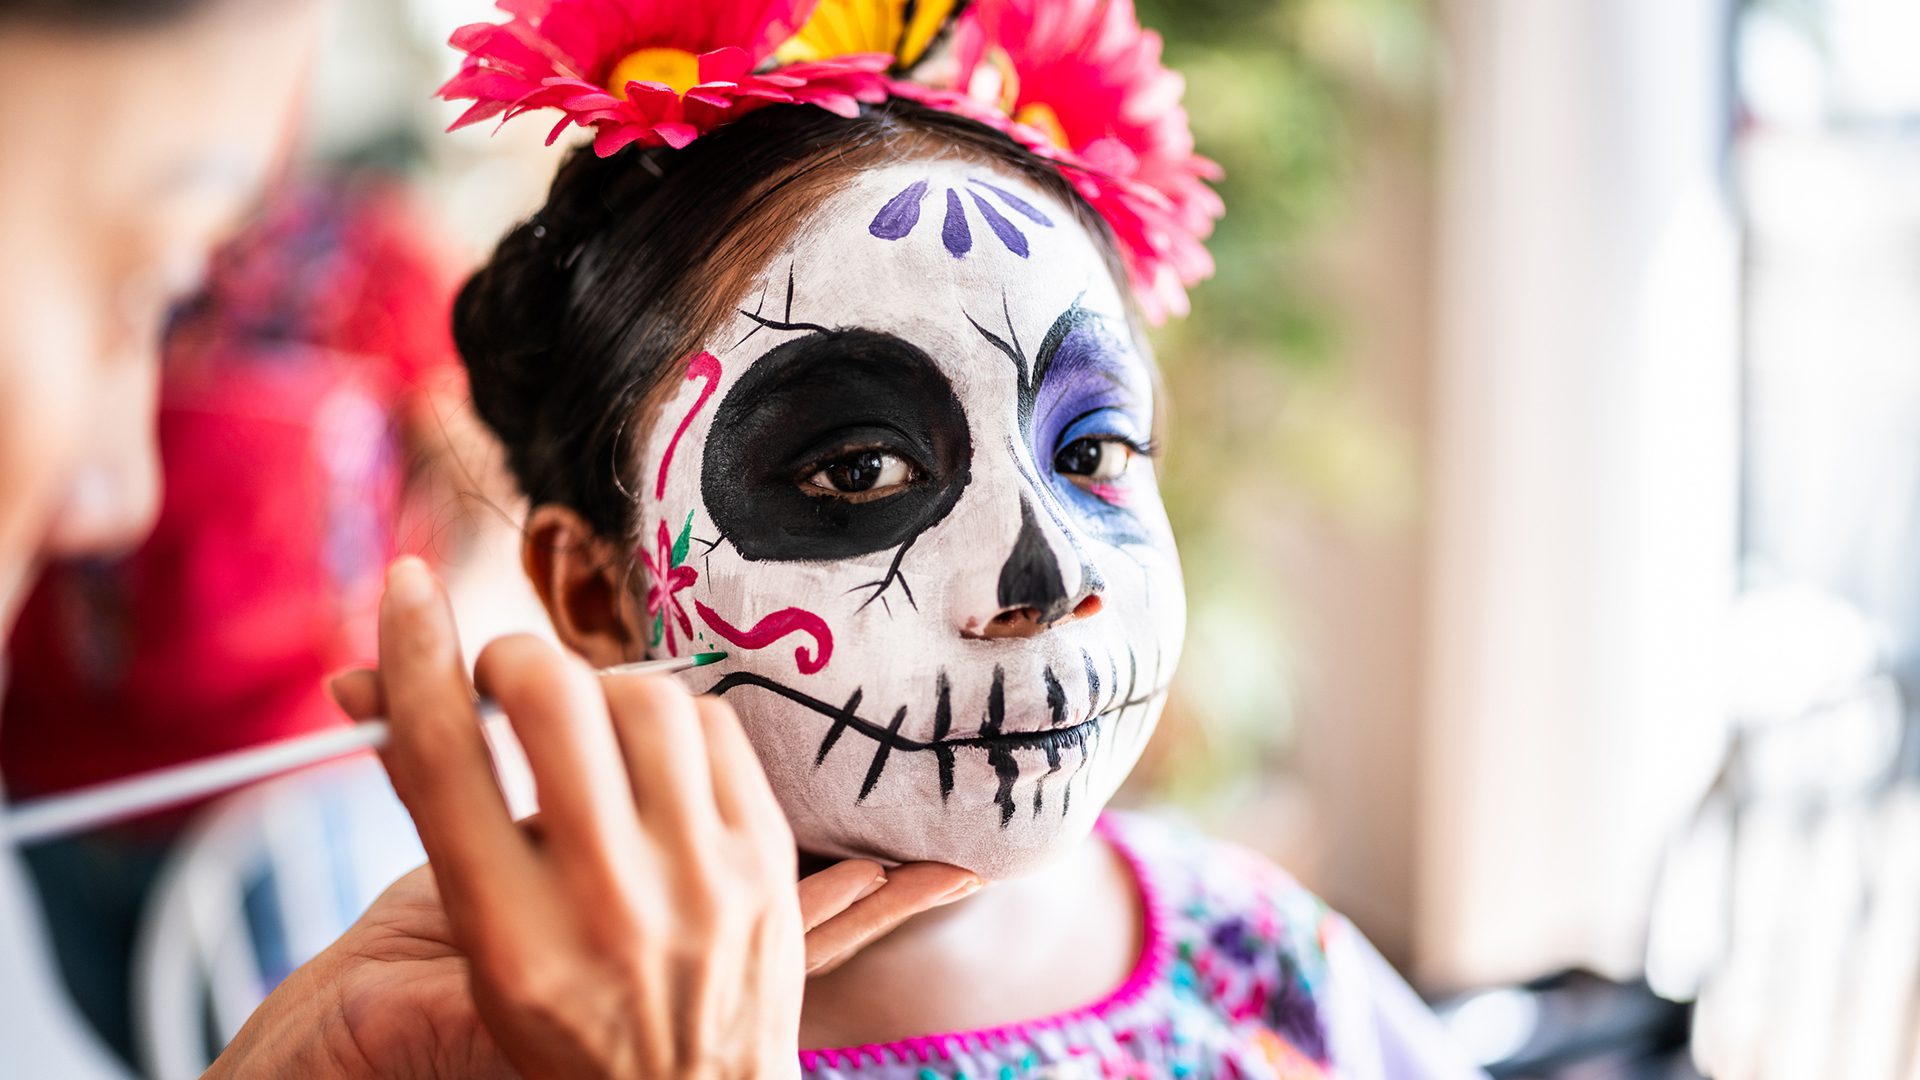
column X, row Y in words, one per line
column 906, row 488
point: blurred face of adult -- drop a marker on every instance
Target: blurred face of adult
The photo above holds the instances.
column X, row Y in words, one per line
column 128, row 155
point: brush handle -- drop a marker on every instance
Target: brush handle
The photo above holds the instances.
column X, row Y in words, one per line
column 117, row 800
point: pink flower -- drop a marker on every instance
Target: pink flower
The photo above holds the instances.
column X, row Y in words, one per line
column 1080, row 83
column 666, row 576
column 649, row 71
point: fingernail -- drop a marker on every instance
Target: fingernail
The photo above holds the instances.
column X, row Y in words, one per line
column 333, row 688
column 409, row 581
column 960, row 892
column 872, row 887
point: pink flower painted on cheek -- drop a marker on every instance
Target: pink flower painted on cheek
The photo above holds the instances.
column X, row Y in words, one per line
column 667, row 575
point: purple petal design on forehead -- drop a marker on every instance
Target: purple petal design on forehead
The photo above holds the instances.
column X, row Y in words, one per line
column 955, row 234
column 901, row 214
column 1019, row 205
column 1015, row 240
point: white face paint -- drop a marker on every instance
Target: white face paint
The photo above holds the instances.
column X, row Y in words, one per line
column 899, row 490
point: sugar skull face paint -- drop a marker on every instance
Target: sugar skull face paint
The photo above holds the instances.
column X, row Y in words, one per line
column 906, row 490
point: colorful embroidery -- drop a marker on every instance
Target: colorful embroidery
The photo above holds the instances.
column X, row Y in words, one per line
column 1227, row 987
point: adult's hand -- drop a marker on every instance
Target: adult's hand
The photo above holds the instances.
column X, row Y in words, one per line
column 650, row 924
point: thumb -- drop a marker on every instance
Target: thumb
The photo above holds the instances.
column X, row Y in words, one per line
column 908, row 890
column 357, row 692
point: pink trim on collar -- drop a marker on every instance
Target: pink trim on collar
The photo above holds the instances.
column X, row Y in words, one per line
column 1149, row 970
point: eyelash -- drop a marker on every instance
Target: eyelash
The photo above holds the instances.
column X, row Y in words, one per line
column 1146, row 448
column 839, row 456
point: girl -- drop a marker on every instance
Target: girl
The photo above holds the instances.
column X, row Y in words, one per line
column 825, row 355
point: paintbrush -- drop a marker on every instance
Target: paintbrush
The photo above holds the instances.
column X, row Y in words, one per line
column 117, row 800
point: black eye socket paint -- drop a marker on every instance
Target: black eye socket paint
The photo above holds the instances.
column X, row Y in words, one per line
column 805, row 396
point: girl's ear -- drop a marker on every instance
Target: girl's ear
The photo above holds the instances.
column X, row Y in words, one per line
column 581, row 579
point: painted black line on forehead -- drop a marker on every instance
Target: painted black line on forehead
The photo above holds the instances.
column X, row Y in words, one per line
column 1029, row 379
column 828, row 392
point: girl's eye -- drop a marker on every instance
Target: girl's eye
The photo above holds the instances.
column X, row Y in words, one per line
column 1093, row 460
column 863, row 475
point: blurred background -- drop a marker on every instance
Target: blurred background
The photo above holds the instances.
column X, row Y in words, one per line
column 1545, row 458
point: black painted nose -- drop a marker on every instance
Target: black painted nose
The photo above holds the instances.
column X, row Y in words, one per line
column 1033, row 591
column 1031, row 578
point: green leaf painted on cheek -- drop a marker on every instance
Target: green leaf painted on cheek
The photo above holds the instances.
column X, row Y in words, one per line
column 659, row 625
column 680, row 542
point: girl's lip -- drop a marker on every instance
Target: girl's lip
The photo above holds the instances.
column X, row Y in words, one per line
column 1020, row 739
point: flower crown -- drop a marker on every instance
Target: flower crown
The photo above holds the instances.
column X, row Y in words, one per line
column 1077, row 82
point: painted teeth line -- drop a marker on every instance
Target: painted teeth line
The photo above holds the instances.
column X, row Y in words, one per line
column 1093, row 682
column 840, row 722
column 880, row 756
column 1055, row 742
column 846, row 719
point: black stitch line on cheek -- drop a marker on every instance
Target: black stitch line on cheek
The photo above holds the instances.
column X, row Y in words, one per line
column 1113, row 680
column 1008, row 770
column 1093, row 746
column 835, row 729
column 944, row 756
column 1093, row 683
column 942, row 724
column 942, row 707
column 880, row 756
column 1040, row 785
column 996, row 704
column 1056, row 697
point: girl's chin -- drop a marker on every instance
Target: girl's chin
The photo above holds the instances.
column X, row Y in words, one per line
column 899, row 835
column 998, row 812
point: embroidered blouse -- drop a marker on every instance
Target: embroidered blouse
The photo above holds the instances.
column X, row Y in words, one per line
column 1244, row 975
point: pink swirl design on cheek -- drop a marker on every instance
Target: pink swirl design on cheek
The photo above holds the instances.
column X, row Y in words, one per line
column 701, row 365
column 773, row 628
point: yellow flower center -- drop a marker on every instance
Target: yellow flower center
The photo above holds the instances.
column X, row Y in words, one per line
column 675, row 68
column 1040, row 115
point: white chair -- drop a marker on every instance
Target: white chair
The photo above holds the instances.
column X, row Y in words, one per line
column 259, row 884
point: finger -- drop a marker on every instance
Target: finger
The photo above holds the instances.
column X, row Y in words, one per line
column 357, row 692
column 740, row 788
column 664, row 744
column 560, row 716
column 909, row 890
column 833, row 890
column 437, row 756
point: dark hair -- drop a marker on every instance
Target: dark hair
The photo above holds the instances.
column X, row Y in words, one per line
column 581, row 312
